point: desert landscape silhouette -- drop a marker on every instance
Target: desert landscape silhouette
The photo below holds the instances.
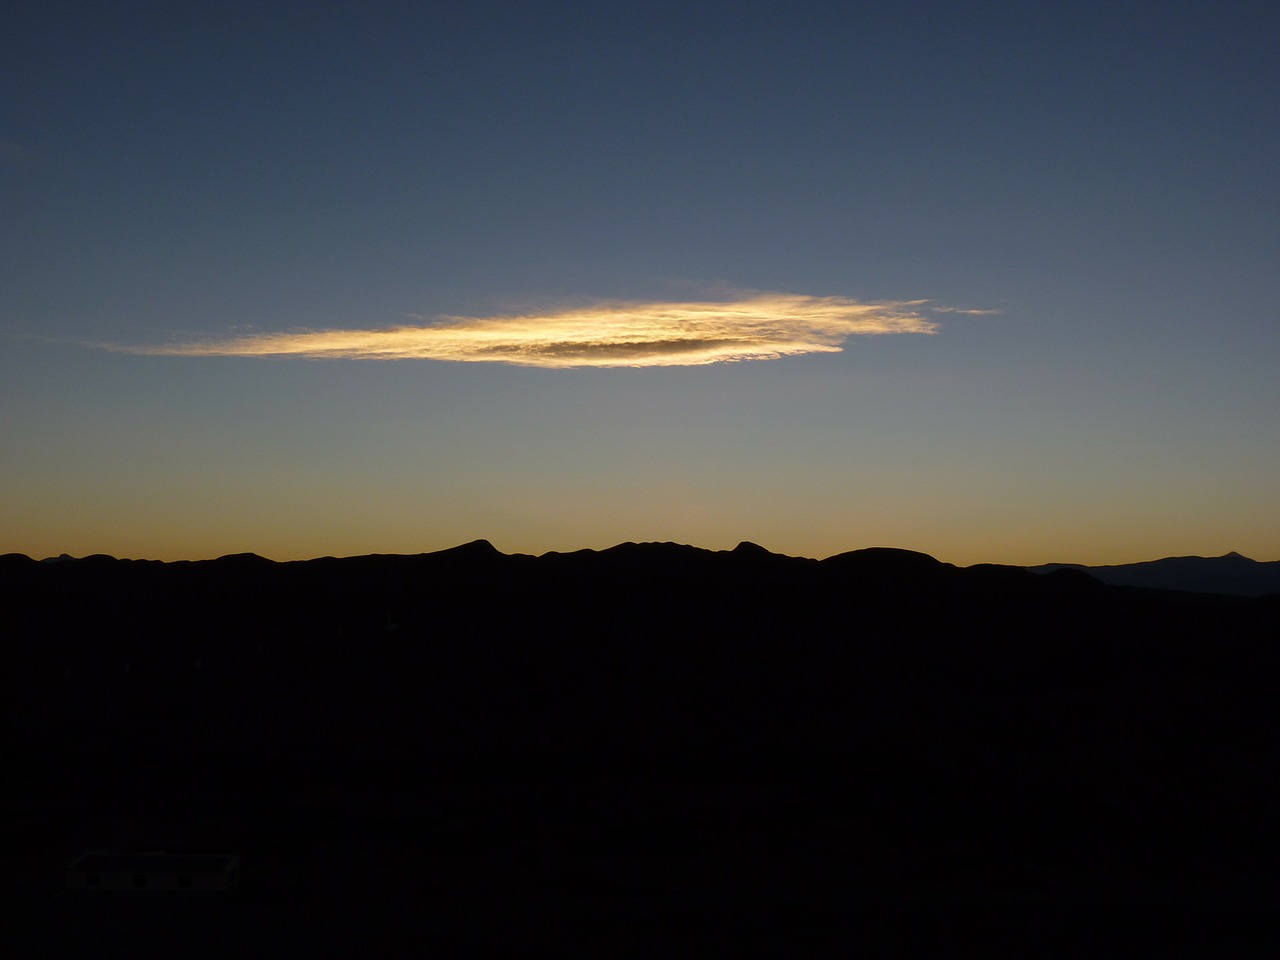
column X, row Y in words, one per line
column 648, row 738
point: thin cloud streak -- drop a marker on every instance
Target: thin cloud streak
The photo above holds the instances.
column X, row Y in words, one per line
column 631, row 334
column 969, row 313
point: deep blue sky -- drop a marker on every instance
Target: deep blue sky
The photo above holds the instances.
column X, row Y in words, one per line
column 1104, row 175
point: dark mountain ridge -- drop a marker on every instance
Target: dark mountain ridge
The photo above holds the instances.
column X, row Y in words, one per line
column 633, row 643
column 1230, row 573
column 1001, row 716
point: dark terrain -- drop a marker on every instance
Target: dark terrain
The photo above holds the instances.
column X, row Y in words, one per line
column 652, row 750
column 1230, row 574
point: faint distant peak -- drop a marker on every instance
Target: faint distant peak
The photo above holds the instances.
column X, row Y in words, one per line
column 652, row 547
column 1231, row 573
column 472, row 550
column 654, row 556
column 60, row 558
column 889, row 555
column 244, row 559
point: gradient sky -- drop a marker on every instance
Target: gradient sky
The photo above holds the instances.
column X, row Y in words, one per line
column 182, row 181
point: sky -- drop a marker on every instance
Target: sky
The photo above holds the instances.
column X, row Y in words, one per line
column 993, row 281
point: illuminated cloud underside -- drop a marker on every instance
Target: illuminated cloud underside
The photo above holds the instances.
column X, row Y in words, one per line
column 759, row 327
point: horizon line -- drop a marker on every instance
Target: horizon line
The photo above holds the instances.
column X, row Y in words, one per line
column 741, row 546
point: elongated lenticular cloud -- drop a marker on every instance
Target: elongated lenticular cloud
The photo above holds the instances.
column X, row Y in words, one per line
column 647, row 334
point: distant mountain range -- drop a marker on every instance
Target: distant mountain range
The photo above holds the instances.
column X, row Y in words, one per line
column 1229, row 574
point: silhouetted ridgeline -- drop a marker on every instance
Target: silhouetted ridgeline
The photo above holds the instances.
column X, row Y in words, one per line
column 1230, row 574
column 658, row 650
column 1050, row 715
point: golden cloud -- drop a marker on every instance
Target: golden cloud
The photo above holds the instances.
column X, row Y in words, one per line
column 631, row 334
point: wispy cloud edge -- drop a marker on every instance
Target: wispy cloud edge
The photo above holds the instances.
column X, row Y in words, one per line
column 962, row 310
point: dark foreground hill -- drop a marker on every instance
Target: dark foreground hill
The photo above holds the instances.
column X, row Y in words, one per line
column 732, row 745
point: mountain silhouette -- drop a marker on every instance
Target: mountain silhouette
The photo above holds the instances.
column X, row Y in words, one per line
column 1229, row 574
column 651, row 720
